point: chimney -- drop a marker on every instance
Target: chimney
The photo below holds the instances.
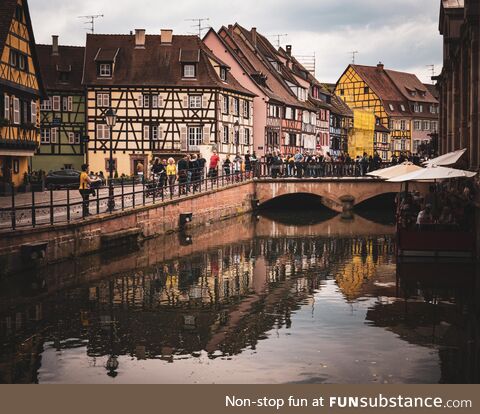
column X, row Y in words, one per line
column 254, row 36
column 55, row 45
column 289, row 50
column 139, row 38
column 380, row 66
column 166, row 36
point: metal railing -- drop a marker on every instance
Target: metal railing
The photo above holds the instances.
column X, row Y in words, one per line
column 50, row 207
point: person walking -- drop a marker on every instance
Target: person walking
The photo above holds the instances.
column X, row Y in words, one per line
column 171, row 174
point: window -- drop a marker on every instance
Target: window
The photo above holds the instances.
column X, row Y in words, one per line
column 402, row 107
column 226, row 105
column 154, row 101
column 154, row 132
column 223, row 74
column 246, row 136
column 434, row 126
column 342, row 92
column 46, row 105
column 18, row 60
column 433, row 110
column 19, row 13
column 366, row 90
column 417, row 125
column 45, row 136
column 290, row 113
column 71, row 137
column 392, row 108
column 7, row 107
column 194, row 136
column 146, row 101
column 56, row 103
column 226, row 136
column 403, row 124
column 103, row 100
column 146, row 132
column 105, row 69
column 16, row 111
column 189, row 71
column 103, row 132
column 195, row 101
column 78, row 137
column 54, row 135
column 246, row 109
column 236, row 104
column 426, row 125
column 67, row 104
column 22, row 62
column 13, row 58
column 33, row 112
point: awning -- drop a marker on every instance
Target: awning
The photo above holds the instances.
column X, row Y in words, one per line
column 395, row 171
column 432, row 174
column 16, row 153
column 447, row 159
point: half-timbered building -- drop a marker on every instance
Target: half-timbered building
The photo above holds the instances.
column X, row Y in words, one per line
column 20, row 91
column 285, row 118
column 62, row 112
column 171, row 94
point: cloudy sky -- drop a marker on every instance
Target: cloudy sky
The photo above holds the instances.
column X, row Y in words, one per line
column 403, row 34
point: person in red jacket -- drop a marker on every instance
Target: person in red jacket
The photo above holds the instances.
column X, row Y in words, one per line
column 214, row 161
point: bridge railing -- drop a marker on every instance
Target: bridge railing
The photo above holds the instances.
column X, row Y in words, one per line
column 315, row 170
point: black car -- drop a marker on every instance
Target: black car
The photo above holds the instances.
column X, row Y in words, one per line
column 61, row 179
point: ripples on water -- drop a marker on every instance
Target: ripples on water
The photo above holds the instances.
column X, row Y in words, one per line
column 250, row 301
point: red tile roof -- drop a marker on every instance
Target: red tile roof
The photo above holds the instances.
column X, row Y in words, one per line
column 411, row 87
column 157, row 64
column 69, row 59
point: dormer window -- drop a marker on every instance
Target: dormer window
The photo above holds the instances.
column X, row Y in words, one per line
column 189, row 71
column 402, row 107
column 392, row 108
column 105, row 70
column 223, row 74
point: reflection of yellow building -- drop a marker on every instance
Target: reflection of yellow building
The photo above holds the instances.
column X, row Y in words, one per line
column 361, row 137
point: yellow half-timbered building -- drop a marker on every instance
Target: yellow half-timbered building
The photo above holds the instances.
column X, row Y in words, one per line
column 20, row 91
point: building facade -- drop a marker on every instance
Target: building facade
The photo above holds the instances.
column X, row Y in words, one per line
column 172, row 96
column 20, row 91
column 399, row 101
column 286, row 119
column 459, row 84
column 62, row 112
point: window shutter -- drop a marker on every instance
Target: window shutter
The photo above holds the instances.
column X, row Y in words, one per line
column 231, row 105
column 140, row 101
column 99, row 100
column 154, row 101
column 221, row 103
column 205, row 101
column 70, row 104
column 185, row 101
column 232, row 136
column 34, row 112
column 221, row 132
column 146, row 132
column 183, row 139
column 16, row 110
column 160, row 132
column 7, row 107
column 56, row 103
column 160, row 101
column 206, row 135
column 53, row 136
column 287, row 139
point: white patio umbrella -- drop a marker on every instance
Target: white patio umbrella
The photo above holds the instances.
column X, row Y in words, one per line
column 446, row 159
column 432, row 174
column 395, row 171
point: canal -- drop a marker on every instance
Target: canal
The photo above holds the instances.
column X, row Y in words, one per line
column 293, row 296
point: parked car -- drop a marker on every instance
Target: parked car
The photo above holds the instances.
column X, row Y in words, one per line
column 62, row 179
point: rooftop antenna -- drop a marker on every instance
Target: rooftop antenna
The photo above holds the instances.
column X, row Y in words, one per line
column 199, row 24
column 354, row 53
column 278, row 38
column 432, row 69
column 90, row 20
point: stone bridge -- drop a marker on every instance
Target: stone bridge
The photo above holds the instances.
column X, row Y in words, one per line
column 338, row 194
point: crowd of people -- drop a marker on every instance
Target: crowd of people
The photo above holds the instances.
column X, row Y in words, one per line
column 448, row 205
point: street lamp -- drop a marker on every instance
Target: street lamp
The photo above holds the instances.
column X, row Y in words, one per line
column 111, row 120
column 236, row 129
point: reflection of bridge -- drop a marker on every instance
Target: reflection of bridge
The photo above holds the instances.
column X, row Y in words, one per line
column 338, row 194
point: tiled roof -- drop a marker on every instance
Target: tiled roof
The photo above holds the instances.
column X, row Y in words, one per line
column 411, row 87
column 69, row 59
column 155, row 65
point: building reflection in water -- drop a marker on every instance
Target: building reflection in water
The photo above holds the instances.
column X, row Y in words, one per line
column 227, row 299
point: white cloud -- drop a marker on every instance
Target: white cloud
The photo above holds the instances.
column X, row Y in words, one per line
column 403, row 34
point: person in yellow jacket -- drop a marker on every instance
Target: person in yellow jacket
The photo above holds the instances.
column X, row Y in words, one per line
column 85, row 189
column 171, row 174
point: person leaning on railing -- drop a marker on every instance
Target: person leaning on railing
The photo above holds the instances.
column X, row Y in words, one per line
column 171, row 174
column 85, row 189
